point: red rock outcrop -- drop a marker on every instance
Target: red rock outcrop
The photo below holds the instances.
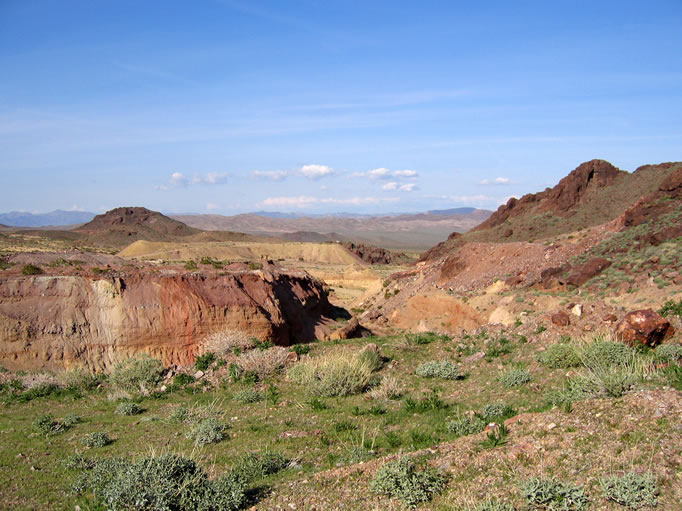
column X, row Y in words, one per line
column 644, row 326
column 56, row 321
column 562, row 198
column 585, row 272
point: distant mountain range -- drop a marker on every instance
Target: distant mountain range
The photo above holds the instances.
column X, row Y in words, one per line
column 57, row 217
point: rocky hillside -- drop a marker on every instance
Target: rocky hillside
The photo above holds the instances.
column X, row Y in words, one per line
column 98, row 311
column 592, row 194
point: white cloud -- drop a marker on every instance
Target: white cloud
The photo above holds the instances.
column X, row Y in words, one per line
column 272, row 175
column 303, row 201
column 315, row 171
column 391, row 185
column 178, row 179
column 211, row 206
column 75, row 207
column 407, row 187
column 213, row 178
column 380, row 173
column 496, row 181
column 471, row 199
column 405, row 173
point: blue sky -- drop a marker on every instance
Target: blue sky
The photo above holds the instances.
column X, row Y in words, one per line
column 231, row 106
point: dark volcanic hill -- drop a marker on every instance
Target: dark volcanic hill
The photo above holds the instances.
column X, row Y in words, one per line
column 122, row 226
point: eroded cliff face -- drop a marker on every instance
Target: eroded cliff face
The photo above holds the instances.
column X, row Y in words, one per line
column 61, row 321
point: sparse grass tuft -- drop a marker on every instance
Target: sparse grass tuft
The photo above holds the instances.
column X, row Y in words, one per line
column 96, row 439
column 515, row 377
column 208, row 431
column 138, row 374
column 388, row 388
column 263, row 363
column 247, row 396
column 560, row 356
column 128, row 408
column 668, row 353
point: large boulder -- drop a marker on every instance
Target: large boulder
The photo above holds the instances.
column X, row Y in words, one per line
column 561, row 319
column 585, row 272
column 352, row 330
column 644, row 326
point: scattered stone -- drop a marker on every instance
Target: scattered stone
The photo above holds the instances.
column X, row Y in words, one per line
column 352, row 330
column 292, row 358
column 163, row 388
column 644, row 326
column 561, row 319
column 610, row 318
column 199, row 374
column 551, row 426
column 577, row 310
column 474, row 358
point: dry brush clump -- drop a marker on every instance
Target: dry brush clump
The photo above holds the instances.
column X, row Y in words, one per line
column 263, row 363
column 226, row 341
column 341, row 373
column 389, row 388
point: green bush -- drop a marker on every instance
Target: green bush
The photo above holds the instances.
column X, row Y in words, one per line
column 258, row 465
column 300, row 349
column 425, row 338
column 335, row 374
column 31, row 269
column 182, row 379
column 191, row 265
column 560, row 356
column 671, row 308
column 604, row 353
column 631, row 490
column 496, row 412
column 71, row 420
column 553, row 495
column 464, row 426
column 47, row 425
column 208, row 431
column 668, row 353
column 439, row 369
column 255, row 266
column 497, row 348
column 96, row 439
column 140, row 373
column 167, row 482
column 496, row 437
column 402, row 479
column 429, row 403
column 128, row 408
column 248, row 396
column 515, row 377
column 204, row 361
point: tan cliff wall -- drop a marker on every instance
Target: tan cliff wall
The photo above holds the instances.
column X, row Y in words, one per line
column 51, row 322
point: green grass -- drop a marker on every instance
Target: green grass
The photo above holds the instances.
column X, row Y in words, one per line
column 314, row 432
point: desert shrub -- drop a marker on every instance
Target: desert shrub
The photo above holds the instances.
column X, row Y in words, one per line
column 257, row 465
column 226, row 341
column 631, row 490
column 41, row 390
column 81, row 379
column 263, row 363
column 430, row 402
column 668, row 353
column 553, row 495
column 300, row 349
column 47, row 425
column 31, row 269
column 425, row 338
column 208, row 431
column 604, row 353
column 496, row 412
column 191, row 265
column 438, row 369
column 140, row 373
column 182, row 379
column 77, row 462
column 318, row 405
column 96, row 439
column 496, row 437
column 515, row 377
column 389, row 388
column 255, row 266
column 248, row 396
column 71, row 420
column 403, row 480
column 497, row 348
column 560, row 356
column 670, row 308
column 464, row 426
column 203, row 362
column 128, row 408
column 166, row 482
column 340, row 373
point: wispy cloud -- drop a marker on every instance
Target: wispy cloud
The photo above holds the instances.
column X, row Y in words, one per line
column 496, row 181
column 384, row 173
column 395, row 186
column 271, row 175
column 212, row 206
column 212, row 178
column 180, row 180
